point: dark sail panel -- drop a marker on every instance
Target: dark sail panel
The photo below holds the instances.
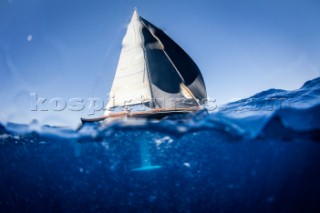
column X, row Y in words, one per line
column 162, row 73
column 187, row 68
column 165, row 80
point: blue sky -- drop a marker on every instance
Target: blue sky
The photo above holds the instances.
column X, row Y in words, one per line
column 67, row 49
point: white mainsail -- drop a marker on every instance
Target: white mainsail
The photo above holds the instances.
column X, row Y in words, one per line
column 131, row 82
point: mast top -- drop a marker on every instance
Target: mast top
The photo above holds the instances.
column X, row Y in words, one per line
column 147, row 73
column 135, row 13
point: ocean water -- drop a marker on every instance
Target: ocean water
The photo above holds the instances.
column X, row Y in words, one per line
column 260, row 154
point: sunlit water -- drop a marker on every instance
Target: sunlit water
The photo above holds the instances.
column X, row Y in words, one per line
column 259, row 154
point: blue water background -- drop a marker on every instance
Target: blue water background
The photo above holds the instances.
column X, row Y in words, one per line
column 259, row 154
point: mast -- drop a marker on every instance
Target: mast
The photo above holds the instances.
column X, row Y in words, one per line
column 147, row 67
column 153, row 69
column 131, row 81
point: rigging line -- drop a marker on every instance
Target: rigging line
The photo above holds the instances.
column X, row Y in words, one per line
column 153, row 100
column 92, row 93
column 116, row 38
column 112, row 43
column 107, row 53
column 172, row 64
column 165, row 52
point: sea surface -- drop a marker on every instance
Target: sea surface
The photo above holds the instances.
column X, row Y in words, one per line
column 259, row 154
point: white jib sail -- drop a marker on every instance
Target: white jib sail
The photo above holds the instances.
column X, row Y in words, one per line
column 131, row 82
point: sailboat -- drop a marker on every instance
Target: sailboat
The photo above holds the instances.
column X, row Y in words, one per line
column 154, row 78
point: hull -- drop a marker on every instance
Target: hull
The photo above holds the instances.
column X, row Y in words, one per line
column 152, row 114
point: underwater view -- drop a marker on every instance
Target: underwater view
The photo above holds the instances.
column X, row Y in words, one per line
column 160, row 106
column 255, row 155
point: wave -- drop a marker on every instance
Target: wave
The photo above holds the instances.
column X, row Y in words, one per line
column 192, row 163
column 273, row 113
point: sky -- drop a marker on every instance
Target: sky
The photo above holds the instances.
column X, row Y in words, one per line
column 67, row 49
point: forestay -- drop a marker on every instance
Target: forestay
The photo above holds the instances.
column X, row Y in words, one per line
column 153, row 70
